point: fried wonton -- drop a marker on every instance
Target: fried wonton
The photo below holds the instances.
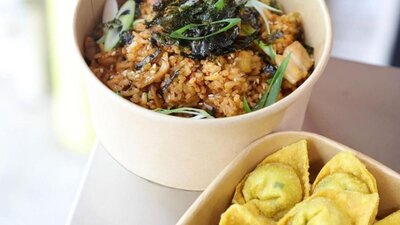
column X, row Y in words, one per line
column 333, row 207
column 246, row 214
column 278, row 183
column 345, row 172
column 392, row 219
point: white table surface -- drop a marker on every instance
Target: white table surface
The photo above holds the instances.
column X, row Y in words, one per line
column 355, row 104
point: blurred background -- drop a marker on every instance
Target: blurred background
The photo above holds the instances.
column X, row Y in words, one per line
column 45, row 131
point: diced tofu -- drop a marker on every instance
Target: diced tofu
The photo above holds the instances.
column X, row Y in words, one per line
column 300, row 55
column 293, row 73
column 299, row 64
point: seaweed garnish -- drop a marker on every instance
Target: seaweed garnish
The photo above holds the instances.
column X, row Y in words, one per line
column 309, row 49
column 210, row 109
column 126, row 37
column 169, row 81
column 206, row 27
column 272, row 37
column 148, row 59
column 269, row 69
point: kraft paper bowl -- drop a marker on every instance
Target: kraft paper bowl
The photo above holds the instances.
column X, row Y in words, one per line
column 187, row 153
column 209, row 206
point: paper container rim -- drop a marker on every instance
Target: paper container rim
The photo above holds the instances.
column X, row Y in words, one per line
column 276, row 107
column 228, row 171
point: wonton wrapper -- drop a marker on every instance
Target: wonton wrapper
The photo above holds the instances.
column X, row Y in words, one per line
column 246, row 214
column 332, row 207
column 392, row 219
column 345, row 172
column 288, row 166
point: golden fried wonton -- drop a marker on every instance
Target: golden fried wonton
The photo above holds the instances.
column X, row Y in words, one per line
column 278, row 183
column 333, row 207
column 345, row 172
column 392, row 219
column 246, row 214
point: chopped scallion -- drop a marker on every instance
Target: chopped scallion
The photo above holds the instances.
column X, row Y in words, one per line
column 122, row 22
column 179, row 34
column 196, row 113
column 219, row 4
column 267, row 49
column 276, row 82
column 259, row 6
column 246, row 105
column 271, row 95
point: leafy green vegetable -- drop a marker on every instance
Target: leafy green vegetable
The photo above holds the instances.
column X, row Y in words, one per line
column 271, row 95
column 246, row 105
column 196, row 113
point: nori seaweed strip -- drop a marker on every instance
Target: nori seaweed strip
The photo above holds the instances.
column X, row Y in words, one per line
column 210, row 109
column 126, row 37
column 148, row 59
column 274, row 36
column 169, row 81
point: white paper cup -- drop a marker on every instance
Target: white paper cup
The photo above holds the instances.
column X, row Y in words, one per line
column 187, row 153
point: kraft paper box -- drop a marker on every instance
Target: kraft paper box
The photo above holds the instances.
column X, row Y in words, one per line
column 207, row 209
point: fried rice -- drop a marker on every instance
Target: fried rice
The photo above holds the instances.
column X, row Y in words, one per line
column 171, row 79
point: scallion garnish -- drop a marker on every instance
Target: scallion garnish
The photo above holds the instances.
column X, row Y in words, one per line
column 195, row 113
column 111, row 38
column 122, row 22
column 179, row 34
column 267, row 49
column 219, row 4
column 271, row 95
column 259, row 6
column 263, row 6
column 126, row 14
column 246, row 105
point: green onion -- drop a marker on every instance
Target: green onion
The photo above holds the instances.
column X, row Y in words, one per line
column 276, row 83
column 259, row 6
column 122, row 22
column 126, row 14
column 271, row 95
column 247, row 29
column 196, row 113
column 111, row 38
column 267, row 49
column 246, row 105
column 179, row 34
column 219, row 5
column 264, row 6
